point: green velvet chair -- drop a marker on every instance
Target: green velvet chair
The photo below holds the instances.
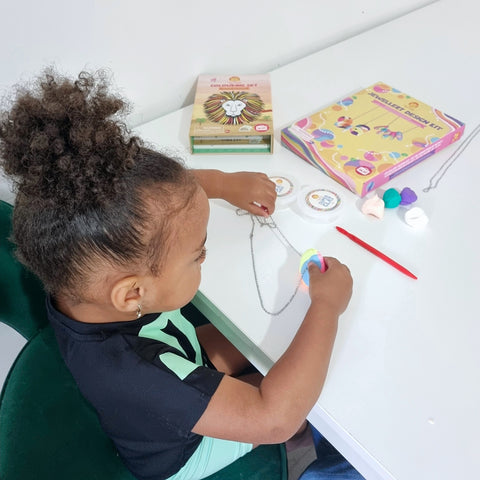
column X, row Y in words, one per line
column 47, row 430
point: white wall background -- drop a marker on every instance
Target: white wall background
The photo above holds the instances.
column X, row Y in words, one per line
column 155, row 49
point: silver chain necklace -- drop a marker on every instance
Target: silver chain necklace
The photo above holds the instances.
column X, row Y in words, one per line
column 438, row 175
column 270, row 223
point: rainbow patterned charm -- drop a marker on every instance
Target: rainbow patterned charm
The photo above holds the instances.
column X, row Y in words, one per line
column 311, row 255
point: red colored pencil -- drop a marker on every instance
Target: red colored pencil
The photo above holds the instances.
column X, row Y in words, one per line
column 379, row 254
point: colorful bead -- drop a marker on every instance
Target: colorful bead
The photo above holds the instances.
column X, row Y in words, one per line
column 374, row 207
column 415, row 217
column 408, row 196
column 391, row 198
column 311, row 255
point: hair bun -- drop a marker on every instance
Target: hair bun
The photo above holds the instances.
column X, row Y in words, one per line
column 64, row 141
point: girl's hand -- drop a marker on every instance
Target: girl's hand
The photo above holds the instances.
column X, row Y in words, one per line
column 331, row 289
column 275, row 410
column 251, row 191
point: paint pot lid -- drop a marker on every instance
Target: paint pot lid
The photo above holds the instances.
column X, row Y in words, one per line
column 286, row 186
column 320, row 204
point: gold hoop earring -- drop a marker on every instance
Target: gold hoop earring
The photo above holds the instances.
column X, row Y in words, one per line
column 139, row 311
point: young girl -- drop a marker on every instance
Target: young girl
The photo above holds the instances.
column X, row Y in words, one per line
column 117, row 233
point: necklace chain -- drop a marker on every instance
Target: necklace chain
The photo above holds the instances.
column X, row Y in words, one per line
column 438, row 175
column 270, row 223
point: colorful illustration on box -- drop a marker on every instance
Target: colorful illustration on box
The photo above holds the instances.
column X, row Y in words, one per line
column 233, row 108
column 365, row 139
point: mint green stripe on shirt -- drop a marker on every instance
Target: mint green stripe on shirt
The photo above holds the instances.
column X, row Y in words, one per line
column 155, row 330
column 180, row 366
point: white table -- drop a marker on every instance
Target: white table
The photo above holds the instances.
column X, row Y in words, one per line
column 402, row 394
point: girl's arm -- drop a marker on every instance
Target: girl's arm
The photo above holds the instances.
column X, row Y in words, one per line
column 247, row 190
column 275, row 410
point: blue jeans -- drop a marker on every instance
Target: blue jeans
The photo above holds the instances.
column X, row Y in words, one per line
column 329, row 463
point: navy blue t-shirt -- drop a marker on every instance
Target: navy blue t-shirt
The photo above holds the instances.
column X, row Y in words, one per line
column 148, row 380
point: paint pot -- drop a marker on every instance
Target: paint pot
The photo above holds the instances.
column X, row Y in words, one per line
column 319, row 204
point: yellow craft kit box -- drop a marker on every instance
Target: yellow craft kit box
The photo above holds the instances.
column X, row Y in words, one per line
column 368, row 138
column 232, row 114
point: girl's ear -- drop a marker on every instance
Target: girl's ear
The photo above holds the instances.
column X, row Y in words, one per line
column 127, row 294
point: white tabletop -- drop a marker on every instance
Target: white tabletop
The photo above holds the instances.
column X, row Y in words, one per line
column 402, row 394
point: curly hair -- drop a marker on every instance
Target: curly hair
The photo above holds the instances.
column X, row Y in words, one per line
column 83, row 183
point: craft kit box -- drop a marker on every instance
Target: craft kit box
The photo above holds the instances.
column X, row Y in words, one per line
column 368, row 138
column 232, row 114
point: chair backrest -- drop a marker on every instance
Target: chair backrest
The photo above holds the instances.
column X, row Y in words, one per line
column 22, row 304
column 47, row 430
